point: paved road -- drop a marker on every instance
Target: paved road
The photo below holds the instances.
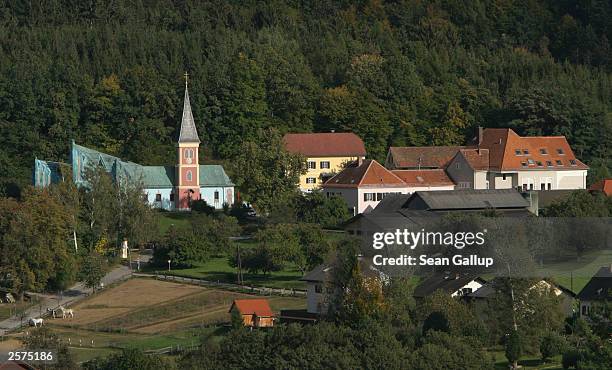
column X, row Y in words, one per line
column 70, row 296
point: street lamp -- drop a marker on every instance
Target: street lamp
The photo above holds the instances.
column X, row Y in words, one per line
column 169, row 264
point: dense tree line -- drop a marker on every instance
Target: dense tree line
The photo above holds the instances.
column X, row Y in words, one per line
column 109, row 74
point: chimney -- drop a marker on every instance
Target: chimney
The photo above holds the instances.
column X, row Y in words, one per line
column 359, row 160
column 480, row 132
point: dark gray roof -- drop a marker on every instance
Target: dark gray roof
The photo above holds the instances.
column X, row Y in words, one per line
column 189, row 133
column 391, row 203
column 466, row 200
column 446, row 282
column 318, row 274
column 599, row 288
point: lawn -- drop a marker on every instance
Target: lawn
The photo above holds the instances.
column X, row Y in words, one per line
column 218, row 269
column 527, row 362
column 574, row 274
column 168, row 219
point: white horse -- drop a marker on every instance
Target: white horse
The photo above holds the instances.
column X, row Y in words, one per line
column 36, row 322
column 66, row 312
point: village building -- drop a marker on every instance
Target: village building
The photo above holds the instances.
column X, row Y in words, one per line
column 453, row 284
column 597, row 292
column 603, row 186
column 325, row 153
column 255, row 313
column 165, row 187
column 566, row 297
column 500, row 159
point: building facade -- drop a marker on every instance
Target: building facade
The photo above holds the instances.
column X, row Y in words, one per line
column 325, row 153
column 165, row 187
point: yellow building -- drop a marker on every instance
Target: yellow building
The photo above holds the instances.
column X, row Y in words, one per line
column 326, row 154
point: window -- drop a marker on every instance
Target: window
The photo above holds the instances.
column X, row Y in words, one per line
column 487, row 184
column 318, row 288
column 158, row 197
column 324, row 164
column 543, row 151
column 560, row 151
column 539, row 163
column 549, row 163
column 457, row 165
column 464, row 185
column 504, row 177
column 172, row 197
column 189, row 175
column 559, row 162
column 312, row 165
column 573, row 162
column 525, row 152
column 216, row 196
column 542, row 186
column 524, row 164
column 517, row 151
column 369, row 197
column 380, row 196
column 311, row 180
column 188, row 155
column 531, row 162
column 549, row 186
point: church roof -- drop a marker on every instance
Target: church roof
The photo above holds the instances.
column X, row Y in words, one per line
column 189, row 133
column 152, row 177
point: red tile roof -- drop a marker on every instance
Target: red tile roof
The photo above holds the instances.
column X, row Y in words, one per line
column 259, row 307
column 536, row 152
column 370, row 173
column 429, row 177
column 478, row 159
column 331, row 144
column 604, row 186
column 423, row 156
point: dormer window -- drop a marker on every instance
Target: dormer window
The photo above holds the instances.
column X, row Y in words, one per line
column 559, row 162
column 549, row 163
column 543, row 151
column 573, row 162
column 560, row 151
column 517, row 152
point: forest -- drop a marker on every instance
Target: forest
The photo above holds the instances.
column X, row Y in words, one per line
column 109, row 74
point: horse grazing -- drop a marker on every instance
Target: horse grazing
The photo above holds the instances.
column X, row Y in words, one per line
column 66, row 312
column 36, row 322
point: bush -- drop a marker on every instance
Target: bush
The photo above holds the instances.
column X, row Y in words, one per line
column 551, row 345
column 514, row 347
column 570, row 358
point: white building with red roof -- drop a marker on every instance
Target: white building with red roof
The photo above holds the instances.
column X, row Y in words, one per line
column 363, row 185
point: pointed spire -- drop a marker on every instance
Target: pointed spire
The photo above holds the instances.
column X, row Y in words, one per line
column 189, row 133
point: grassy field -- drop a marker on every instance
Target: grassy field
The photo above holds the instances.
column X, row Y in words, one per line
column 148, row 314
column 218, row 269
column 575, row 274
column 8, row 309
column 528, row 362
column 168, row 219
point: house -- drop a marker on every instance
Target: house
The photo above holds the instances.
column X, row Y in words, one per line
column 597, row 292
column 526, row 162
column 500, row 159
column 421, row 157
column 255, row 313
column 325, row 154
column 454, row 284
column 604, row 186
column 425, row 180
column 166, row 187
column 321, row 287
column 363, row 185
column 566, row 296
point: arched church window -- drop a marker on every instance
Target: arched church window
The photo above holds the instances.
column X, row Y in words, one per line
column 189, row 176
column 188, row 155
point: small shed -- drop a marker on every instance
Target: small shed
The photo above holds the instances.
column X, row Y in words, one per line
column 255, row 312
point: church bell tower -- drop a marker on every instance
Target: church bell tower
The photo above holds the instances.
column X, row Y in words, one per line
column 187, row 184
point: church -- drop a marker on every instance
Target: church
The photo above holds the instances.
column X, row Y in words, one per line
column 166, row 187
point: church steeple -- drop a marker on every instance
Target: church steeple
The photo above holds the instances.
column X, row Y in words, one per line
column 189, row 133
